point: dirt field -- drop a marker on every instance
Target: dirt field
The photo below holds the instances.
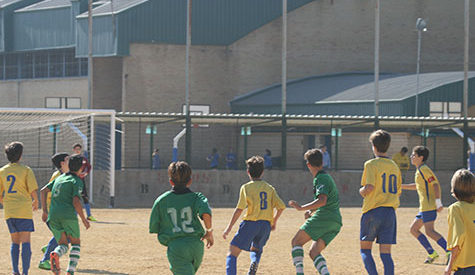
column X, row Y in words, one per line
column 120, row 244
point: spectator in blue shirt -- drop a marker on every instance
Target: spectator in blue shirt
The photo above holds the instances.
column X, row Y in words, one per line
column 213, row 159
column 326, row 157
column 268, row 159
column 155, row 159
column 231, row 160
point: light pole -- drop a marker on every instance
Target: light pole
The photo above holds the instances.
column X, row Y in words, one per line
column 421, row 26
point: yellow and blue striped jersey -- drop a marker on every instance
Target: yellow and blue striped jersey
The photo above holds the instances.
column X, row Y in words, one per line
column 17, row 182
column 260, row 198
column 425, row 181
column 461, row 220
column 385, row 176
column 56, row 174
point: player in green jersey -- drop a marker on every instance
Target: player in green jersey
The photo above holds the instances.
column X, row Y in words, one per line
column 62, row 217
column 323, row 216
column 174, row 219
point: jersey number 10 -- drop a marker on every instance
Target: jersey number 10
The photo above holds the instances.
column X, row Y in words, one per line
column 392, row 183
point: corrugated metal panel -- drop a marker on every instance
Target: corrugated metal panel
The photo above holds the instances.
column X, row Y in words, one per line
column 48, row 4
column 43, row 29
column 214, row 22
column 103, row 43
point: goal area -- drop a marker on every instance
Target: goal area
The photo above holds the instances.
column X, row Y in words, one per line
column 45, row 132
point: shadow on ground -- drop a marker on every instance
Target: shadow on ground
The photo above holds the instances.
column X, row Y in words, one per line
column 97, row 271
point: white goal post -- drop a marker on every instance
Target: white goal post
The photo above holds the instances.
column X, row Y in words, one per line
column 45, row 132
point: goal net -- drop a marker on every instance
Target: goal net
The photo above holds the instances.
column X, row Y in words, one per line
column 45, row 132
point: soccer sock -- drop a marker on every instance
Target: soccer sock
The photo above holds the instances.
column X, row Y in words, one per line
column 15, row 253
column 74, row 256
column 26, row 257
column 255, row 256
column 442, row 243
column 425, row 243
column 388, row 264
column 321, row 265
column 51, row 246
column 230, row 265
column 88, row 209
column 61, row 249
column 368, row 261
column 297, row 258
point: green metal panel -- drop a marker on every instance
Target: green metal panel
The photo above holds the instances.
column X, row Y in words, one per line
column 43, row 29
column 214, row 22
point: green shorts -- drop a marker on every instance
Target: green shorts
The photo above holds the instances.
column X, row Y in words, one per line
column 185, row 255
column 69, row 227
column 318, row 229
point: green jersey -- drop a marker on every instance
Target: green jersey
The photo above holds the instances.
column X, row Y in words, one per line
column 323, row 184
column 64, row 188
column 175, row 215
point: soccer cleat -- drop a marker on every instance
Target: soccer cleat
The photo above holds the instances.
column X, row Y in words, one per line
column 252, row 269
column 92, row 219
column 44, row 265
column 43, row 249
column 54, row 257
column 431, row 258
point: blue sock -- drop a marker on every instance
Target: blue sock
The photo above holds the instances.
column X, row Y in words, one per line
column 230, row 265
column 425, row 243
column 26, row 257
column 442, row 243
column 255, row 256
column 88, row 209
column 368, row 261
column 388, row 264
column 51, row 246
column 15, row 253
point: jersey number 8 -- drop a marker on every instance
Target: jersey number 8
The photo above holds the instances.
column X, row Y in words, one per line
column 186, row 219
column 263, row 196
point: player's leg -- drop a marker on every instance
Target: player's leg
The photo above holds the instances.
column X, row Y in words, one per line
column 416, row 232
column 74, row 253
column 369, row 226
column 315, row 254
column 87, row 206
column 387, row 237
column 60, row 250
column 185, row 255
column 385, row 253
column 257, row 245
column 231, row 259
column 45, row 262
column 298, row 241
column 430, row 231
column 368, row 260
column 15, row 250
column 241, row 241
column 25, row 238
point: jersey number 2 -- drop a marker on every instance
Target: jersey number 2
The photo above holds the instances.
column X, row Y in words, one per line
column 186, row 219
column 11, row 179
column 392, row 183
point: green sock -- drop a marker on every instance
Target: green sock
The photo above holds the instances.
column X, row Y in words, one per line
column 74, row 256
column 297, row 257
column 321, row 265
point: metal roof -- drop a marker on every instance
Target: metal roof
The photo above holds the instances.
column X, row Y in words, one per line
column 397, row 88
column 117, row 6
column 48, row 4
column 5, row 3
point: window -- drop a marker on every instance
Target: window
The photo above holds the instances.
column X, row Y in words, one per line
column 26, row 65
column 63, row 102
column 2, row 58
column 445, row 109
column 56, row 64
column 71, row 64
column 11, row 66
column 41, row 64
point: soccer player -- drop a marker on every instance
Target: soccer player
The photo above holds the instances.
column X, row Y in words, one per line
column 325, row 223
column 61, row 162
column 380, row 188
column 86, row 168
column 174, row 219
column 461, row 220
column 17, row 189
column 62, row 214
column 428, row 190
column 260, row 198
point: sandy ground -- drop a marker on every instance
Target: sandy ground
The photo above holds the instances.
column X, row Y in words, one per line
column 120, row 244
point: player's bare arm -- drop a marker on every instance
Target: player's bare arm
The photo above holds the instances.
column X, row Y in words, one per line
column 438, row 202
column 34, row 201
column 366, row 190
column 409, row 186
column 453, row 255
column 319, row 202
column 78, row 207
column 276, row 217
column 236, row 214
column 43, row 193
column 209, row 230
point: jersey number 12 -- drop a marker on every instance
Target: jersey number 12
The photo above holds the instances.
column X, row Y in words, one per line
column 186, row 219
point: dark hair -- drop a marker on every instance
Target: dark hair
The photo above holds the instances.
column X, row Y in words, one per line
column 421, row 151
column 77, row 145
column 314, row 157
column 14, row 150
column 58, row 158
column 255, row 166
column 404, row 149
column 179, row 173
column 463, row 185
column 75, row 162
column 381, row 140
column 268, row 152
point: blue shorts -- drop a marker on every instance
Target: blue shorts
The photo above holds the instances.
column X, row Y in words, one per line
column 427, row 216
column 379, row 224
column 252, row 234
column 465, row 271
column 20, row 225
